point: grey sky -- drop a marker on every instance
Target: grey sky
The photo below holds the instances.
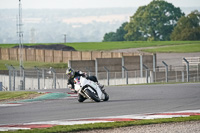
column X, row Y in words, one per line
column 67, row 4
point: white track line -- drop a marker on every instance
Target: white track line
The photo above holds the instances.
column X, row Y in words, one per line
column 102, row 119
column 12, row 128
column 9, row 105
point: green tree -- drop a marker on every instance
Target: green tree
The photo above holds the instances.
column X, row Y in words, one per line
column 187, row 28
column 116, row 36
column 108, row 37
column 153, row 22
column 120, row 33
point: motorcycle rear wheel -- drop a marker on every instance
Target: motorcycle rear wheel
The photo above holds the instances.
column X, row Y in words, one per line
column 92, row 95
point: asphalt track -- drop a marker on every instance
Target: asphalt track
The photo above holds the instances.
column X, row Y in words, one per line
column 124, row 100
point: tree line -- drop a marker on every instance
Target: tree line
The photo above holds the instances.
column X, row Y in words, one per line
column 158, row 21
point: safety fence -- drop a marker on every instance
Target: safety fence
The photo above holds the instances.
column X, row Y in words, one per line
column 159, row 75
column 32, row 79
column 36, row 79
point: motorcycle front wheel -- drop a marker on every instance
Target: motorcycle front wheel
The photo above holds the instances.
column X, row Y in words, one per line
column 92, row 95
column 106, row 96
column 81, row 98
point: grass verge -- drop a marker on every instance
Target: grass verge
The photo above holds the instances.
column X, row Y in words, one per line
column 31, row 64
column 110, row 125
column 9, row 96
column 98, row 46
column 186, row 48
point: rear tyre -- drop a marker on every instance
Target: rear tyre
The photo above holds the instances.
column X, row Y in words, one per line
column 81, row 98
column 92, row 95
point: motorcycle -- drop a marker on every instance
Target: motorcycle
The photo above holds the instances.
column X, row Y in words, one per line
column 88, row 89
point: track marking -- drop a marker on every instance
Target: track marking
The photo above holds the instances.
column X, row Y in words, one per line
column 9, row 105
column 72, row 94
column 46, row 124
column 12, row 128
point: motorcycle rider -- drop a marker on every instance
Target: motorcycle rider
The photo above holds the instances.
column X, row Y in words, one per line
column 71, row 74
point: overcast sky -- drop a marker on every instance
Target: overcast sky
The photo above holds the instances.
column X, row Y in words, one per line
column 67, row 4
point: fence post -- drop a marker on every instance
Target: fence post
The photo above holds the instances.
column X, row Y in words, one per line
column 38, row 76
column 123, row 63
column 154, row 62
column 96, row 68
column 188, row 70
column 108, row 75
column 183, row 76
column 141, row 66
column 54, row 77
column 43, row 76
column 146, row 72
column 126, row 73
column 9, row 71
column 22, row 81
column 198, row 68
column 166, row 71
column 151, row 77
column 1, row 86
column 13, row 70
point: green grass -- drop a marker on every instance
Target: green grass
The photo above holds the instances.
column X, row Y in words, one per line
column 186, row 48
column 124, row 45
column 100, row 46
column 6, row 95
column 31, row 64
column 28, row 44
column 110, row 125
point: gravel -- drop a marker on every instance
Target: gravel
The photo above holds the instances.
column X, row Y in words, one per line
column 180, row 127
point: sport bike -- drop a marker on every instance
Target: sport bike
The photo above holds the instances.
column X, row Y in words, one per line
column 88, row 89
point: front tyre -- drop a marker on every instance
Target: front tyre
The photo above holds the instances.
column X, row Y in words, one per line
column 81, row 98
column 92, row 95
column 106, row 96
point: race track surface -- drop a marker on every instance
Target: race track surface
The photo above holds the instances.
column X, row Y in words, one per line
column 124, row 100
